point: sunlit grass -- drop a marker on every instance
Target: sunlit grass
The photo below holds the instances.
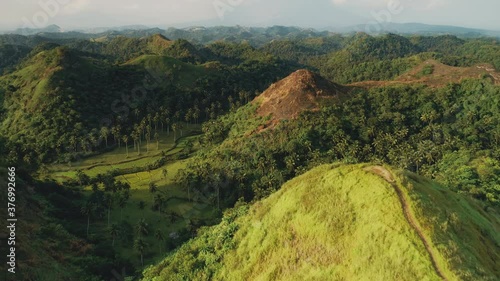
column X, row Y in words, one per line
column 345, row 223
column 117, row 159
column 341, row 224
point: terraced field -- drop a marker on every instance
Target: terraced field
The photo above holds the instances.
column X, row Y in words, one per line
column 135, row 170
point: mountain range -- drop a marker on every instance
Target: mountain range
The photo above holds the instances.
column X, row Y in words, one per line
column 235, row 153
column 220, row 32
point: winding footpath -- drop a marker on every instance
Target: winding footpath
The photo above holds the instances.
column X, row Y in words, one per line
column 412, row 221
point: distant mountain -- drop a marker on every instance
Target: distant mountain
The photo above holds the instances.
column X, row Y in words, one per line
column 116, row 28
column 415, row 28
column 236, row 34
column 195, row 34
column 32, row 31
column 256, row 36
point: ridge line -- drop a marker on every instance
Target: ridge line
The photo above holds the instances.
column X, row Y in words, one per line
column 412, row 221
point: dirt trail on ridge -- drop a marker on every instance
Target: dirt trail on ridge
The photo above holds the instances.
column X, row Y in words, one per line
column 412, row 221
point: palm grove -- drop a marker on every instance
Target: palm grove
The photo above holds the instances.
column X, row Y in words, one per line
column 56, row 94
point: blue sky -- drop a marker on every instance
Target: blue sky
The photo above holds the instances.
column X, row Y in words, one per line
column 71, row 14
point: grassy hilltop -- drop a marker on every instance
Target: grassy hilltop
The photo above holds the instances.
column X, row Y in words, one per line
column 130, row 145
column 351, row 222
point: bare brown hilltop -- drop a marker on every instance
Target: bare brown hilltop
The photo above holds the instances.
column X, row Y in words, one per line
column 300, row 91
column 439, row 75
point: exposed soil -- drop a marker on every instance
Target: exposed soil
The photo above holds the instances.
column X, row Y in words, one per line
column 441, row 75
column 302, row 90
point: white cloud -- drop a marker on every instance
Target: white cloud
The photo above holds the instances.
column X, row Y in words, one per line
column 131, row 7
column 420, row 5
column 361, row 3
column 75, row 6
column 90, row 13
column 430, row 4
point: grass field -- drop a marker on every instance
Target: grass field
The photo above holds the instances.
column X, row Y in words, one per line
column 346, row 222
column 342, row 224
column 118, row 159
column 177, row 201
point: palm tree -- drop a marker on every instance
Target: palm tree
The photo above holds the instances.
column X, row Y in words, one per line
column 116, row 134
column 189, row 115
column 141, row 206
column 177, row 116
column 142, row 228
column 73, row 142
column 167, row 122
column 137, row 112
column 125, row 140
column 108, row 202
column 136, row 136
column 86, row 210
column 164, row 116
column 149, row 118
column 122, row 202
column 152, row 188
column 181, row 126
column 148, row 138
column 159, row 235
column 105, row 134
column 114, row 231
column 156, row 119
column 140, row 246
column 84, row 144
column 126, row 192
column 175, row 126
column 83, row 179
column 142, row 128
column 93, row 139
column 138, row 131
column 157, row 139
column 196, row 114
column 158, row 201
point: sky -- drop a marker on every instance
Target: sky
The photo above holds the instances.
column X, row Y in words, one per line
column 83, row 14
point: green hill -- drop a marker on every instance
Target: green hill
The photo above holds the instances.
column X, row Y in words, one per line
column 10, row 55
column 58, row 93
column 57, row 98
column 123, row 48
column 353, row 222
column 135, row 127
column 178, row 72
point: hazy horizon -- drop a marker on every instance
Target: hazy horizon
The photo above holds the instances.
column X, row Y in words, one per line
column 85, row 14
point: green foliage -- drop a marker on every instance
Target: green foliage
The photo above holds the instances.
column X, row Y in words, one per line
column 10, row 56
column 426, row 71
column 411, row 127
column 55, row 93
column 200, row 259
column 322, row 226
column 54, row 107
column 478, row 176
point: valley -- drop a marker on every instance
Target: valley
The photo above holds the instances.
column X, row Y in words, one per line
column 253, row 154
